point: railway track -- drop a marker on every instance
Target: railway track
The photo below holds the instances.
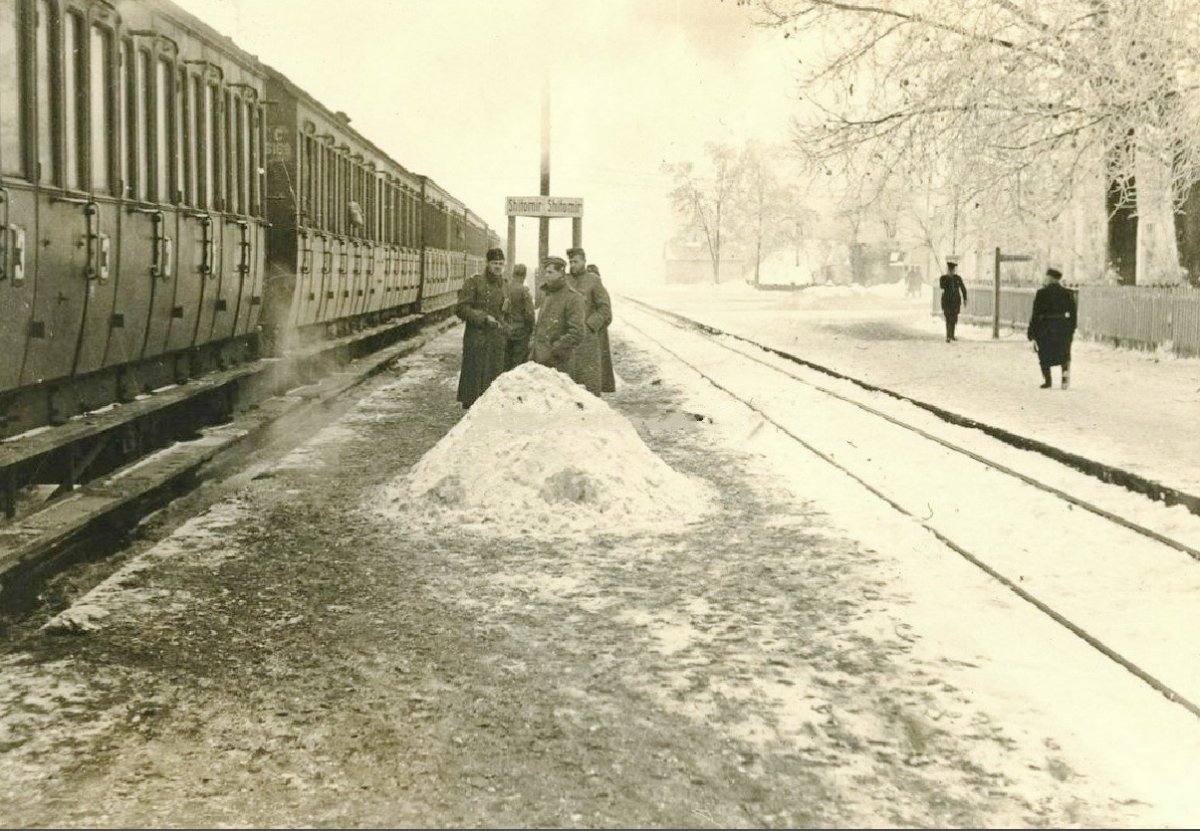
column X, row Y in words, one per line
column 1092, row 557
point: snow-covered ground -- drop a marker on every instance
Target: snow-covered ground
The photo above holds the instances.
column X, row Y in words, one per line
column 1130, row 409
column 805, row 654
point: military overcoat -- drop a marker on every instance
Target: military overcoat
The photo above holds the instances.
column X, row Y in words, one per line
column 518, row 324
column 559, row 327
column 1052, row 324
column 588, row 364
column 484, row 343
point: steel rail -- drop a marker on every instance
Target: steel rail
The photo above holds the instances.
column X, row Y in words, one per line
column 1192, row 552
column 1158, row 685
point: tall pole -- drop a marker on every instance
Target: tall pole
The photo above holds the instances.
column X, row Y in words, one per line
column 544, row 222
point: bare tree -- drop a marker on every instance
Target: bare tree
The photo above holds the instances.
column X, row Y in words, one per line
column 702, row 200
column 1012, row 102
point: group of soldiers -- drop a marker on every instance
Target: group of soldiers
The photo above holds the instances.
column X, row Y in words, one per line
column 566, row 329
column 1051, row 322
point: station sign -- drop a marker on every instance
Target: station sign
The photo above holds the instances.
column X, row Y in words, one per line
column 544, row 206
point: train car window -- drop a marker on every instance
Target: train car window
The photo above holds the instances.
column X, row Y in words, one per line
column 73, row 47
column 242, row 136
column 12, row 107
column 100, row 85
column 256, row 160
column 229, row 151
column 200, row 129
column 306, row 181
column 125, row 110
column 188, row 137
column 209, row 147
column 164, row 121
column 47, row 81
column 215, row 155
column 144, row 84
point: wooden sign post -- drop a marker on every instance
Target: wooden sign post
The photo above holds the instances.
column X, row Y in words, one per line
column 1002, row 258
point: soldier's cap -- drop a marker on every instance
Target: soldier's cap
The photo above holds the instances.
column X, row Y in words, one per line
column 1054, row 271
column 571, row 252
column 593, row 269
column 495, row 254
column 952, row 259
column 555, row 261
column 519, row 268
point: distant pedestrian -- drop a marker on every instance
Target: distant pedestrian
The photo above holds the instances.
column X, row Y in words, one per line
column 560, row 319
column 481, row 308
column 954, row 294
column 518, row 319
column 588, row 369
column 608, row 380
column 1052, row 326
column 913, row 279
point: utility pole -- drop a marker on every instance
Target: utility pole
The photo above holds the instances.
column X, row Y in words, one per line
column 544, row 222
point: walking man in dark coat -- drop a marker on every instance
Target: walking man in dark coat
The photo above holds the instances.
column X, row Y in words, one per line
column 954, row 294
column 1052, row 326
column 518, row 319
column 481, row 307
column 560, row 325
column 588, row 370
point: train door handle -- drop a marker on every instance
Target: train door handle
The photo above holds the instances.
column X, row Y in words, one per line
column 4, row 234
column 105, row 251
column 166, row 257
column 244, row 246
column 92, row 234
column 305, row 253
column 18, row 254
column 207, row 247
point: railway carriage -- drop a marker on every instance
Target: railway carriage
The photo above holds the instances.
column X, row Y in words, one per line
column 166, row 200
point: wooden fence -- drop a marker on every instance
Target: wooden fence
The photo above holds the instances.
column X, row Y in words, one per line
column 1143, row 317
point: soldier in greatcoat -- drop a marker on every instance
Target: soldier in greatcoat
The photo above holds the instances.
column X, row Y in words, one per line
column 518, row 319
column 588, row 369
column 560, row 319
column 481, row 308
column 608, row 380
column 1052, row 326
column 954, row 294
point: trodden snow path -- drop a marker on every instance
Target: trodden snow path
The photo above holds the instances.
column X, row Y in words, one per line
column 804, row 655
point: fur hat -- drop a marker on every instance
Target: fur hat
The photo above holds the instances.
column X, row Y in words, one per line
column 495, row 254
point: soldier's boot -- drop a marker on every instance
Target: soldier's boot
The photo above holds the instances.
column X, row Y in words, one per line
column 1046, row 382
column 1066, row 382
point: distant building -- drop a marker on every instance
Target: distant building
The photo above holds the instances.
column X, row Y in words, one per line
column 687, row 261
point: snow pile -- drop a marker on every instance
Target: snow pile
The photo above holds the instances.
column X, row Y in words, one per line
column 537, row 452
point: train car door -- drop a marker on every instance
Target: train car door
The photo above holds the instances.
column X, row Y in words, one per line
column 68, row 219
column 146, row 112
column 235, row 230
column 199, row 225
column 215, row 309
column 251, row 230
column 102, row 317
column 21, row 151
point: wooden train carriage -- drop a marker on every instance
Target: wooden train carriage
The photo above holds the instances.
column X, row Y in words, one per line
column 345, row 223
column 131, row 222
column 455, row 242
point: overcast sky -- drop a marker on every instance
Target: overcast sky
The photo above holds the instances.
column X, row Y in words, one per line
column 451, row 88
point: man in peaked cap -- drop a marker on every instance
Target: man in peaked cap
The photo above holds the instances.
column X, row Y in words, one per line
column 481, row 306
column 588, row 368
column 954, row 294
column 608, row 380
column 1052, row 326
column 559, row 327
